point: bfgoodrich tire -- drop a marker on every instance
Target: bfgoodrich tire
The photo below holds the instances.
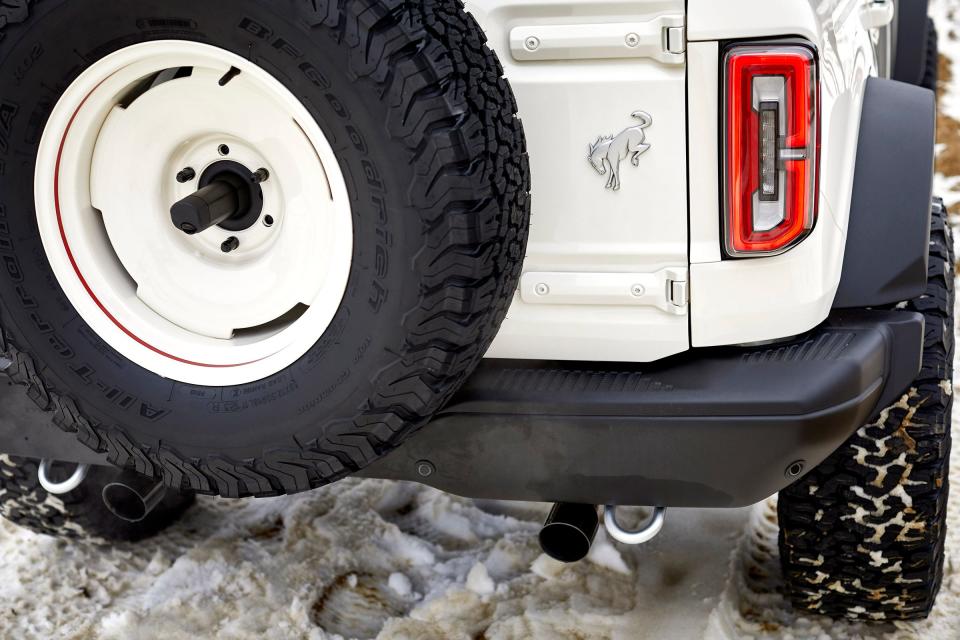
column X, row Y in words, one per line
column 424, row 132
column 862, row 535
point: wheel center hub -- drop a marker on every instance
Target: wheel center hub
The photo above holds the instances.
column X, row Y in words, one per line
column 229, row 196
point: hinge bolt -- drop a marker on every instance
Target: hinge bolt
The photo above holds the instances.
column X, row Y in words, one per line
column 632, row 40
column 541, row 289
column 532, row 43
column 230, row 244
column 638, row 290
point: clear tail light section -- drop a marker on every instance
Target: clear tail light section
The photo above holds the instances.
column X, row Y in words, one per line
column 772, row 143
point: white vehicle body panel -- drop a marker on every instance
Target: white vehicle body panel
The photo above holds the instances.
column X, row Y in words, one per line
column 741, row 301
column 577, row 225
column 573, row 83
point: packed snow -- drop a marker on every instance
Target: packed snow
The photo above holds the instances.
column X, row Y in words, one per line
column 369, row 558
column 376, row 559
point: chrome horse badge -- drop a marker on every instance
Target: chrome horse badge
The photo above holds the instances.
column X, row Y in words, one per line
column 608, row 152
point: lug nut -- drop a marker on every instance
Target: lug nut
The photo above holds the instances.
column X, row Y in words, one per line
column 230, row 244
column 186, row 175
column 261, row 175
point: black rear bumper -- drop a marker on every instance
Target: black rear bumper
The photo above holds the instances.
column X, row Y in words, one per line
column 712, row 428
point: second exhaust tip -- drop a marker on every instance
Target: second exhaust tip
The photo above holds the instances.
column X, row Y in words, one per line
column 133, row 504
column 569, row 530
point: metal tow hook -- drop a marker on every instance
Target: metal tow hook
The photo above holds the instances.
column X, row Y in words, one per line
column 646, row 533
column 60, row 488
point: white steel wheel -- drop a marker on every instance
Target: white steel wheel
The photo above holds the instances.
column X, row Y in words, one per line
column 138, row 132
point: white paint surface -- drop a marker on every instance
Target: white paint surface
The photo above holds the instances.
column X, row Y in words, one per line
column 577, row 225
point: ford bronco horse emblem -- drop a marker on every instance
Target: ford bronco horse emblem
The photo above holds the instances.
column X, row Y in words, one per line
column 608, row 152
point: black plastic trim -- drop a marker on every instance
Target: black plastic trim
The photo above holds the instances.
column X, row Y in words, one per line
column 712, row 428
column 910, row 57
column 719, row 427
column 889, row 231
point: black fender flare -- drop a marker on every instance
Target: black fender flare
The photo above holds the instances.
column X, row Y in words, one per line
column 889, row 231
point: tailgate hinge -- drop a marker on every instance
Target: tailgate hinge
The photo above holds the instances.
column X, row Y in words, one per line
column 662, row 38
column 678, row 292
column 665, row 289
column 675, row 40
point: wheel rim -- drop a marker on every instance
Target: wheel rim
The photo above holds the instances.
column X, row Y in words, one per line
column 119, row 150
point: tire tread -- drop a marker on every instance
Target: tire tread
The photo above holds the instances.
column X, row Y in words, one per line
column 79, row 514
column 862, row 535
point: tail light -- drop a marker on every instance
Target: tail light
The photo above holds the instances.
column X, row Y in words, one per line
column 771, row 128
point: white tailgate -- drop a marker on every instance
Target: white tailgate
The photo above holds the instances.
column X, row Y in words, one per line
column 606, row 270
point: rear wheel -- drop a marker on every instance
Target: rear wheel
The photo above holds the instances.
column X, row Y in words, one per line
column 79, row 514
column 862, row 535
column 372, row 177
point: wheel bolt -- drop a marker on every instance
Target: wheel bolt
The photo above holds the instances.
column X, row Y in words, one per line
column 261, row 175
column 186, row 175
column 230, row 244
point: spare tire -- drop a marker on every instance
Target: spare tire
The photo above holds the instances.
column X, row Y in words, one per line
column 372, row 172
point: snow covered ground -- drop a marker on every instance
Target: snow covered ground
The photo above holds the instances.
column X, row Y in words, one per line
column 367, row 559
column 370, row 557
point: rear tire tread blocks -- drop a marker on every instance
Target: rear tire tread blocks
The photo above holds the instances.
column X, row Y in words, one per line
column 79, row 514
column 862, row 535
column 931, row 67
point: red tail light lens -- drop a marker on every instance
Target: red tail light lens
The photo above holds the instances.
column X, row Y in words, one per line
column 771, row 129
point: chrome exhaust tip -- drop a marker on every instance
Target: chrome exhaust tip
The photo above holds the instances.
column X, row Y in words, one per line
column 130, row 503
column 568, row 532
